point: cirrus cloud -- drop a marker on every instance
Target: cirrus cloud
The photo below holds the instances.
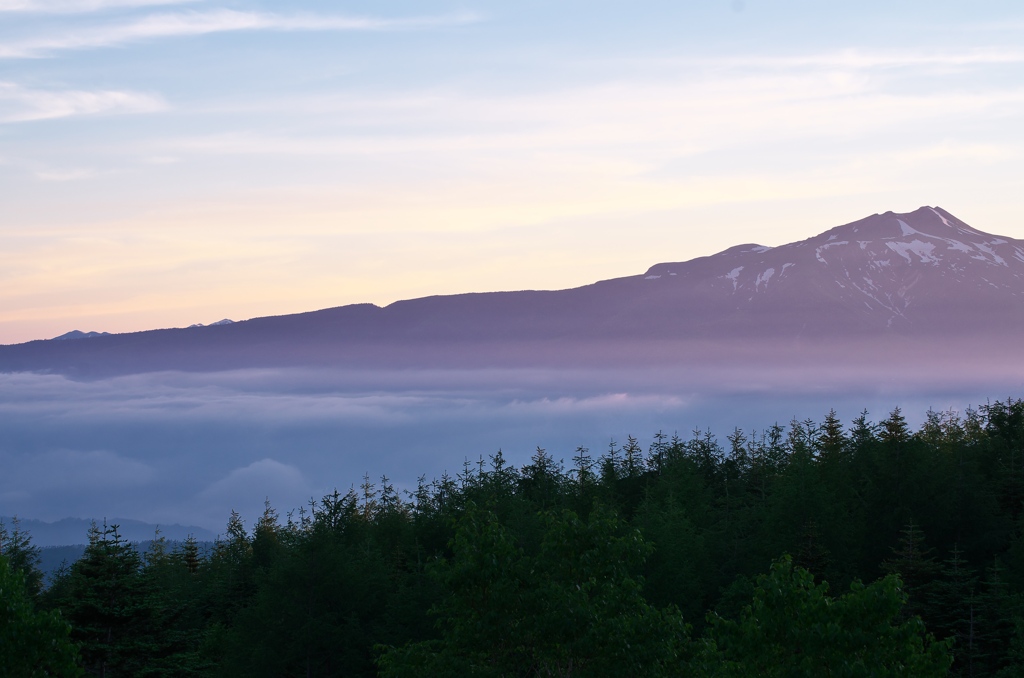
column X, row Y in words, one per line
column 79, row 6
column 184, row 24
column 22, row 104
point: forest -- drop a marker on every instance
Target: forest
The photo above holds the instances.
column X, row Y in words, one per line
column 862, row 548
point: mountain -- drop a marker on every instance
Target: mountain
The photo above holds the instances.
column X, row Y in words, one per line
column 79, row 334
column 913, row 274
column 225, row 321
column 889, row 280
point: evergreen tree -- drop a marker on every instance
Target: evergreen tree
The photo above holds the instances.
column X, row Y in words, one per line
column 22, row 555
column 813, row 556
column 913, row 562
column 658, row 452
column 1004, row 428
column 794, row 628
column 33, row 644
column 611, row 464
column 955, row 613
column 584, row 479
column 997, row 607
column 574, row 608
column 633, row 458
column 103, row 598
column 312, row 594
column 177, row 612
column 833, row 441
column 541, row 480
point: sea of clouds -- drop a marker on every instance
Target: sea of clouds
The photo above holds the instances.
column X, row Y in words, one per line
column 188, row 448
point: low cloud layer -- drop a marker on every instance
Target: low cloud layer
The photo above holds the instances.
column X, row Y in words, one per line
column 189, row 448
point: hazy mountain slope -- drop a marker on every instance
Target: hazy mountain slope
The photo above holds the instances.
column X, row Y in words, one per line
column 924, row 275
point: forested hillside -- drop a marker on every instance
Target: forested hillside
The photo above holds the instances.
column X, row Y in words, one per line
column 693, row 557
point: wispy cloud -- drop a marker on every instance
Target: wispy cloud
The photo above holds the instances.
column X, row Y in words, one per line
column 79, row 6
column 859, row 59
column 20, row 104
column 65, row 175
column 651, row 121
column 181, row 24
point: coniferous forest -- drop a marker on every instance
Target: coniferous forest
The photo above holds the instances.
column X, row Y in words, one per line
column 856, row 548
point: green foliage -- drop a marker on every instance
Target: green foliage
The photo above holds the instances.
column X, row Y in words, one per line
column 533, row 570
column 320, row 600
column 22, row 556
column 32, row 643
column 102, row 597
column 794, row 628
column 572, row 608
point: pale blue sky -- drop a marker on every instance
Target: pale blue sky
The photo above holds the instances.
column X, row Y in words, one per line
column 164, row 163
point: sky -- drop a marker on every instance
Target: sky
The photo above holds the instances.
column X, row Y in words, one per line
column 169, row 162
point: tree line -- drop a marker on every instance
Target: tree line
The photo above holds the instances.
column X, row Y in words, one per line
column 817, row 548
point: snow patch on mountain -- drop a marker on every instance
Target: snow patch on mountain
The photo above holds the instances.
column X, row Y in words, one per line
column 79, row 334
column 923, row 250
column 224, row 321
column 989, row 251
column 944, row 219
column 907, row 229
column 821, row 248
column 764, row 278
column 734, row 275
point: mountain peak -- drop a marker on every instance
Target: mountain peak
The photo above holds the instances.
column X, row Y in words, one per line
column 922, row 274
column 931, row 222
column 892, row 270
column 225, row 321
column 79, row 334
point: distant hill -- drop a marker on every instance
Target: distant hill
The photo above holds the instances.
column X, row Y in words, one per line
column 51, row 558
column 888, row 284
column 70, row 531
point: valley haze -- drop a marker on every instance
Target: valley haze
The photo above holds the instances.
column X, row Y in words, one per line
column 183, row 425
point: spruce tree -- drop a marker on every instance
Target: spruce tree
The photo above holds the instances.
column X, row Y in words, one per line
column 913, row 562
column 103, row 599
column 955, row 612
column 832, row 442
column 22, row 555
column 997, row 608
column 813, row 555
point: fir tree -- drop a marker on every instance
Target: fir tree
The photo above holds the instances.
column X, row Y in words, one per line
column 913, row 561
column 832, row 441
column 658, row 452
column 813, row 555
column 954, row 611
column 22, row 555
column 103, row 599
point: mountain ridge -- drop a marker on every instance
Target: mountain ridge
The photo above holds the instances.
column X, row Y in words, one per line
column 892, row 278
